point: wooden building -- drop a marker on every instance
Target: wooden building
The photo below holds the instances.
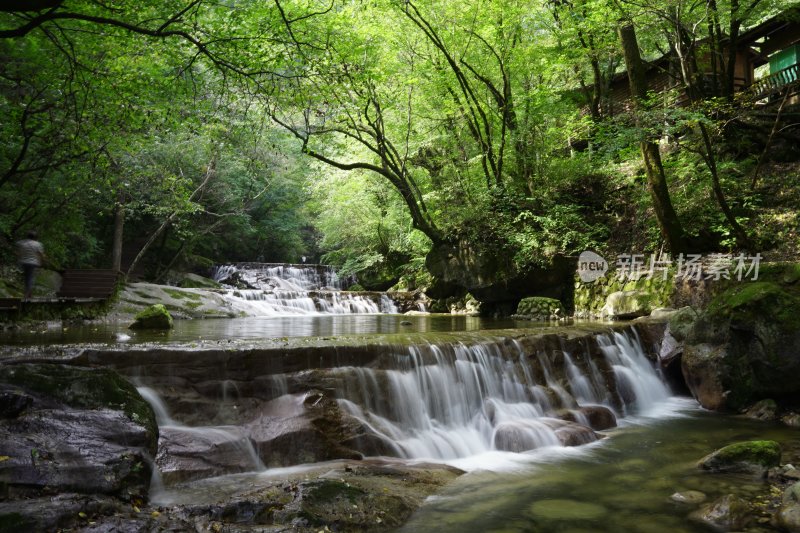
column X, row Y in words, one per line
column 774, row 42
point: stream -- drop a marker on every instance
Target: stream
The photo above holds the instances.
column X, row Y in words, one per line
column 622, row 483
column 559, row 429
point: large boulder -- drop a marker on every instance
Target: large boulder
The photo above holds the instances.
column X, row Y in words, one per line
column 746, row 346
column 154, row 317
column 290, row 429
column 750, row 457
column 597, row 417
column 73, row 429
column 622, row 305
column 729, row 513
column 492, row 279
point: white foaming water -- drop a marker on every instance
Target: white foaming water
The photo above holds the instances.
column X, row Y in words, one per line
column 634, row 373
column 213, row 436
column 159, row 407
column 286, row 290
column 455, row 402
column 486, row 405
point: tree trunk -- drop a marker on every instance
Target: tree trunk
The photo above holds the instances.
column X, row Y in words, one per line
column 656, row 180
column 116, row 247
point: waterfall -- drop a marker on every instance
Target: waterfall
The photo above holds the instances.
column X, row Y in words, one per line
column 455, row 401
column 444, row 402
column 232, row 440
column 636, row 379
column 266, row 289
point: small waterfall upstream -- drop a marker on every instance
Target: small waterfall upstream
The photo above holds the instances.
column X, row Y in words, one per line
column 444, row 401
column 267, row 289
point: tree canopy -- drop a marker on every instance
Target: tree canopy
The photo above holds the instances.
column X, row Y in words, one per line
column 182, row 133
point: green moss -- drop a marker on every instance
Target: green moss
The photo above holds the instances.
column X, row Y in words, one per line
column 538, row 306
column 198, row 282
column 755, row 300
column 154, row 317
column 330, row 491
column 181, row 295
column 83, row 388
column 763, row 453
column 592, row 296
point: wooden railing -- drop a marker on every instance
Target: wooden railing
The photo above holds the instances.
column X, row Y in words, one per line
column 775, row 82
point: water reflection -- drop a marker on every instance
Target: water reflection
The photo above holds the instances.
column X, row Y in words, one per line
column 255, row 328
column 624, row 483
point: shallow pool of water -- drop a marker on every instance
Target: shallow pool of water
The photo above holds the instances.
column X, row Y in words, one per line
column 622, row 483
column 252, row 328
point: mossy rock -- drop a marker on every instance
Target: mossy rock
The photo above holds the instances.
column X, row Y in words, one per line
column 681, row 322
column 182, row 295
column 193, row 281
column 753, row 328
column 755, row 456
column 538, row 306
column 745, row 303
column 84, row 388
column 628, row 304
column 154, row 317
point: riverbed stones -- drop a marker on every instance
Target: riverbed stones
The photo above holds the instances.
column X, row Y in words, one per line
column 791, row 419
column 154, row 317
column 789, row 513
column 690, row 497
column 729, row 513
column 566, row 510
column 749, row 457
column 539, row 308
column 371, row 495
column 766, row 410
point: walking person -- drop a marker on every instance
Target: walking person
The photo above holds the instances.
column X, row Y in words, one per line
column 30, row 254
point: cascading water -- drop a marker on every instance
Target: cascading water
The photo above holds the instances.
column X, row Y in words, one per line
column 265, row 289
column 452, row 401
column 231, row 440
column 458, row 401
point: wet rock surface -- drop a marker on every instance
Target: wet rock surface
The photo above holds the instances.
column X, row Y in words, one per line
column 372, row 495
column 70, row 430
column 231, row 411
column 729, row 513
column 745, row 346
column 755, row 457
column 789, row 514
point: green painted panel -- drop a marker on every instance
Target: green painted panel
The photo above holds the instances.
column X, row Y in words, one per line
column 784, row 59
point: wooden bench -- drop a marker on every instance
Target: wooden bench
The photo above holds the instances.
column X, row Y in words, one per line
column 88, row 283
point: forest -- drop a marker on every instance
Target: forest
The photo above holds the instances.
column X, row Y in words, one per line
column 382, row 265
column 388, row 137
